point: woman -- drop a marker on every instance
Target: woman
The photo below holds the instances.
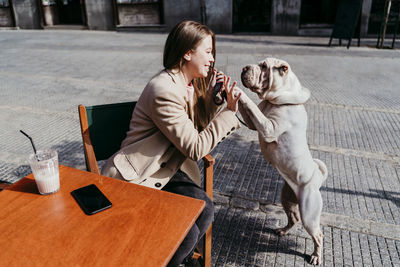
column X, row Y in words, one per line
column 174, row 125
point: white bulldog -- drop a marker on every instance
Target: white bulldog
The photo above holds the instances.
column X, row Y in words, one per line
column 281, row 122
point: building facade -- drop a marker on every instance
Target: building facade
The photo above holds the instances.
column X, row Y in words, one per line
column 277, row 17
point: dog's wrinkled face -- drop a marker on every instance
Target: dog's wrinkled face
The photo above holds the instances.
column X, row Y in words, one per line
column 256, row 78
column 260, row 78
column 273, row 80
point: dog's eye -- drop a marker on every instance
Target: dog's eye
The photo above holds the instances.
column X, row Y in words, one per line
column 264, row 67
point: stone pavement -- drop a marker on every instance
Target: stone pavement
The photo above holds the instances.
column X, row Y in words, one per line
column 354, row 127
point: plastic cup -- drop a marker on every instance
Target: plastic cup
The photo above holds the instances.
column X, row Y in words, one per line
column 44, row 165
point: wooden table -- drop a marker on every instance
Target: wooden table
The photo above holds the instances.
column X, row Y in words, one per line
column 144, row 227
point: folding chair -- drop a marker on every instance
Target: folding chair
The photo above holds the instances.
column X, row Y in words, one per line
column 103, row 129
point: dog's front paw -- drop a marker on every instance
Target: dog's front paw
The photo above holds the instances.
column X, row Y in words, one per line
column 315, row 259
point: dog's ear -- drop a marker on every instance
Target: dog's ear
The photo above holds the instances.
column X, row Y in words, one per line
column 278, row 64
column 283, row 68
column 286, row 88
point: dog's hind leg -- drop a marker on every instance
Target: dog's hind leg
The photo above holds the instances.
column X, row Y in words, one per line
column 290, row 205
column 310, row 204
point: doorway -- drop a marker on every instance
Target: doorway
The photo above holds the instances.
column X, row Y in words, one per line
column 318, row 13
column 6, row 14
column 252, row 15
column 377, row 16
column 70, row 12
column 63, row 12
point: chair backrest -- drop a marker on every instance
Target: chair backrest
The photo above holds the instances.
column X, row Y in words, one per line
column 108, row 125
column 103, row 128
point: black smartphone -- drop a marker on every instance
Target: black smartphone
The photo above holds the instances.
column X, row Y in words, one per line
column 216, row 91
column 91, row 199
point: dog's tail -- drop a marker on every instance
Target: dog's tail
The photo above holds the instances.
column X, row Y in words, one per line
column 322, row 168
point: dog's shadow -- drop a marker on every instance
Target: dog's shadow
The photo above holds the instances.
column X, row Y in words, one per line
column 242, row 172
column 252, row 236
column 291, row 246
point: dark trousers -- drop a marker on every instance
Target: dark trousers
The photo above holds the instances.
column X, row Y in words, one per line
column 181, row 184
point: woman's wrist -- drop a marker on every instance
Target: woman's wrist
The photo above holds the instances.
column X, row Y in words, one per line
column 232, row 110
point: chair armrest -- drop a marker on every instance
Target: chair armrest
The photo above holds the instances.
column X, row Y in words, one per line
column 208, row 160
column 90, row 157
column 208, row 175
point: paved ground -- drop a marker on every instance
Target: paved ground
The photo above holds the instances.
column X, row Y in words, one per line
column 354, row 127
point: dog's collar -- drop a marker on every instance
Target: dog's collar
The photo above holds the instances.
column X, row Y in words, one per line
column 288, row 104
column 298, row 104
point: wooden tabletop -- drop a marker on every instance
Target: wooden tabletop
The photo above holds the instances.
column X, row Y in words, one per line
column 144, row 227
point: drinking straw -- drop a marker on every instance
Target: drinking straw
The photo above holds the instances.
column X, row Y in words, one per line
column 30, row 138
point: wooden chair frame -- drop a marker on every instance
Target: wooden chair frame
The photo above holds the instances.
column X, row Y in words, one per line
column 204, row 255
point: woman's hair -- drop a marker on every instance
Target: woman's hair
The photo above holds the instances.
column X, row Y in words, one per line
column 186, row 36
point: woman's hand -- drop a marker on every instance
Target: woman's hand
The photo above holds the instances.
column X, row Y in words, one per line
column 232, row 95
column 218, row 76
column 216, row 86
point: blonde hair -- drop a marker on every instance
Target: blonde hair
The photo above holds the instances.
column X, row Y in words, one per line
column 186, row 36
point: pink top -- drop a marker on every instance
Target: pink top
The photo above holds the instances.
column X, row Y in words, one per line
column 190, row 92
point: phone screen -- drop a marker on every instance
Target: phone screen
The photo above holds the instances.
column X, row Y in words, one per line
column 91, row 199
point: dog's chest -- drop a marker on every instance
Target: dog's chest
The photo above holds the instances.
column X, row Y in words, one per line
column 279, row 113
column 289, row 127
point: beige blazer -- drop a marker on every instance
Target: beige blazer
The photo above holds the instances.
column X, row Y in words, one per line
column 162, row 137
